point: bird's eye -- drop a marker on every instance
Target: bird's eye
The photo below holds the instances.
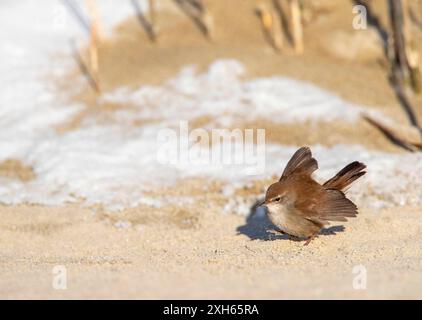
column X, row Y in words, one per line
column 278, row 199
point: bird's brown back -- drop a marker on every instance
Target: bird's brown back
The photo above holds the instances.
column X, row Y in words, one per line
column 315, row 202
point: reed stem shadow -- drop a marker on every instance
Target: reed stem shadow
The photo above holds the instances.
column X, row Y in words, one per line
column 77, row 12
column 84, row 68
column 145, row 24
column 194, row 10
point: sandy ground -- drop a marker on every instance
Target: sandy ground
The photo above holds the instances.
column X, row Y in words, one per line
column 196, row 251
column 217, row 256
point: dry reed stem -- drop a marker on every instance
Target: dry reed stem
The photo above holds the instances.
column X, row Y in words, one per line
column 392, row 136
column 277, row 32
column 271, row 28
column 411, row 54
column 415, row 71
column 197, row 11
column 267, row 20
column 152, row 13
column 208, row 22
column 203, row 14
column 297, row 29
column 94, row 42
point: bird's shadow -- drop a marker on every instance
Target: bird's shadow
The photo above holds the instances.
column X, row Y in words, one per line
column 258, row 227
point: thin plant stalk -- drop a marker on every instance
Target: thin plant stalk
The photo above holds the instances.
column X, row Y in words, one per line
column 152, row 13
column 277, row 32
column 208, row 21
column 198, row 13
column 94, row 42
column 411, row 54
column 270, row 27
column 297, row 29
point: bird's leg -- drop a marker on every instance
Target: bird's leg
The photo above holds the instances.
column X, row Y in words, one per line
column 310, row 238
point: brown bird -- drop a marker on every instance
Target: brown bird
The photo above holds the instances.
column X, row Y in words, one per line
column 300, row 206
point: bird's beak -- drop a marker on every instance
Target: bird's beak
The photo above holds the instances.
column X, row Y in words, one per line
column 262, row 204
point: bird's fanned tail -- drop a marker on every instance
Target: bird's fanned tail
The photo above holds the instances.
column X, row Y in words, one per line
column 346, row 176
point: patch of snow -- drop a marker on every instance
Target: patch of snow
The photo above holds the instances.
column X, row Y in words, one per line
column 115, row 164
column 222, row 92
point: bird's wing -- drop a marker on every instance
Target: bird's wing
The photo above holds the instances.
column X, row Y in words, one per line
column 301, row 161
column 327, row 205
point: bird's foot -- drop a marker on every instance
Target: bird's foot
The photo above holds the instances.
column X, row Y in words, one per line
column 310, row 239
